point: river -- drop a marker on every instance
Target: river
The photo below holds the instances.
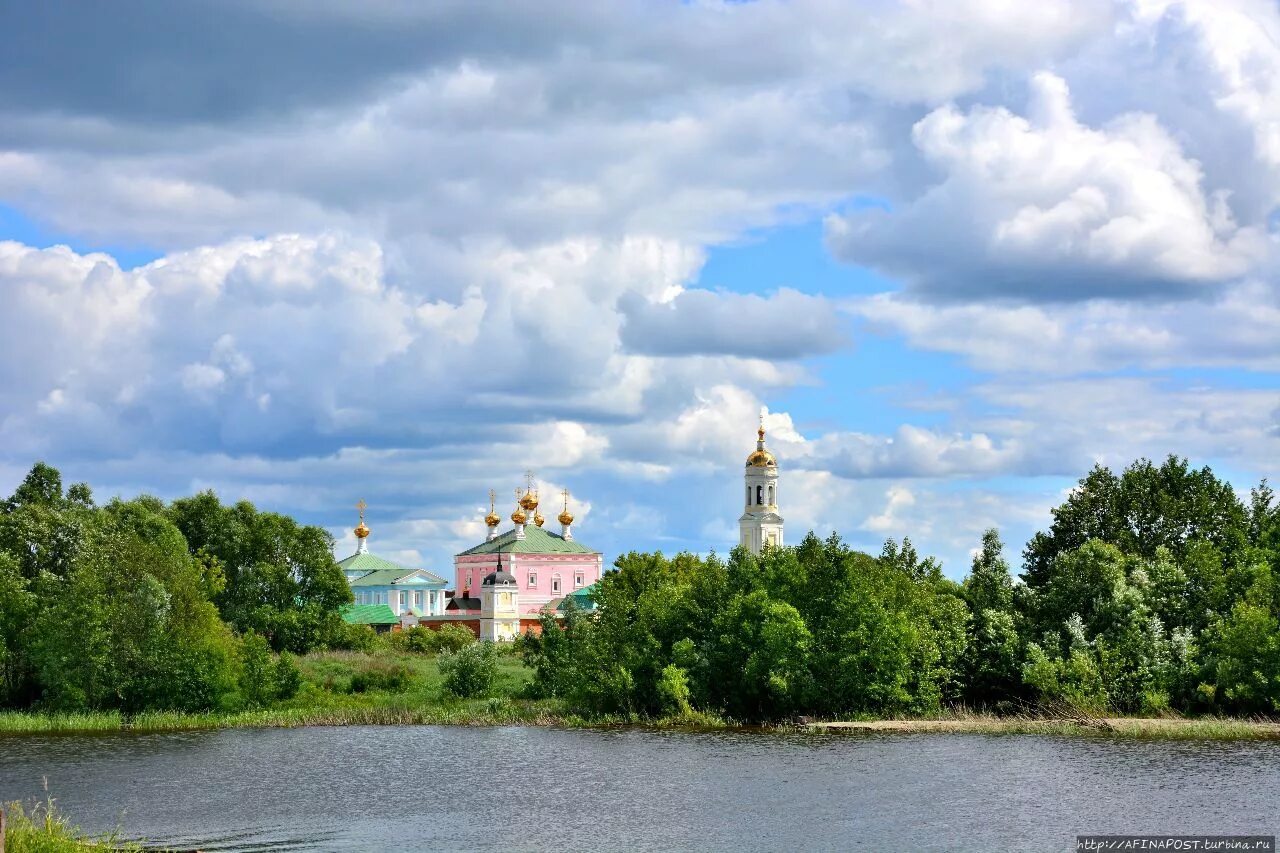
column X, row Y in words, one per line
column 454, row 788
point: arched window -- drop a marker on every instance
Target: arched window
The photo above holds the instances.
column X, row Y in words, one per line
column 748, row 494
column 771, row 496
column 555, row 584
column 759, row 495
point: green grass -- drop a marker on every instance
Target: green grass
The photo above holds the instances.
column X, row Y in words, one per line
column 43, row 829
column 326, row 699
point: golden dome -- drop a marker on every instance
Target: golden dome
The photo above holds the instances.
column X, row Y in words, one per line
column 538, row 519
column 362, row 530
column 519, row 517
column 492, row 519
column 529, row 501
column 566, row 517
column 761, row 458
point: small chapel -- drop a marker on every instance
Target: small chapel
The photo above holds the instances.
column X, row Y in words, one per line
column 503, row 585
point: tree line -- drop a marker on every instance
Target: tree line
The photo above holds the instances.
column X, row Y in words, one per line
column 140, row 604
column 1154, row 589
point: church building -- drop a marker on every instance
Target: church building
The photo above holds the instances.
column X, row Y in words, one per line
column 503, row 584
column 760, row 526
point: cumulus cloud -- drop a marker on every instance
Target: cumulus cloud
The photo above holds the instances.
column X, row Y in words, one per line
column 1043, row 207
column 788, row 324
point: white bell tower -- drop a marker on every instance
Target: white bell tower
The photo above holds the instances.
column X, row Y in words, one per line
column 760, row 525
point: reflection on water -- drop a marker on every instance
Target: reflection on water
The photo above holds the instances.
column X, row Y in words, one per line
column 442, row 788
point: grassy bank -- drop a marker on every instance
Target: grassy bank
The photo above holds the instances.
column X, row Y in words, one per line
column 43, row 829
column 339, row 689
column 1149, row 728
column 390, row 687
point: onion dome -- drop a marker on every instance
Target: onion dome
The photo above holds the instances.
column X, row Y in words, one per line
column 519, row 517
column 761, row 458
column 530, row 501
column 362, row 529
column 538, row 519
column 492, row 519
column 499, row 578
column 565, row 516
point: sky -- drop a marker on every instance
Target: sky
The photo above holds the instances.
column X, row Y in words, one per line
column 957, row 251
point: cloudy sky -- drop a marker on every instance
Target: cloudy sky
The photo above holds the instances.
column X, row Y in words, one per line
column 306, row 253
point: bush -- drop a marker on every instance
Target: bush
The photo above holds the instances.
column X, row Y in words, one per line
column 389, row 677
column 425, row 641
column 470, row 671
column 288, row 676
column 257, row 675
column 356, row 638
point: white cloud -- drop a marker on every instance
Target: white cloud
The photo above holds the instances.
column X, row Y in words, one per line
column 1044, row 207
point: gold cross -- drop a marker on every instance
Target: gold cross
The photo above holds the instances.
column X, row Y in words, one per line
column 362, row 506
column 493, row 496
column 566, row 499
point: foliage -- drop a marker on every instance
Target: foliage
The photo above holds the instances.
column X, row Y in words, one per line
column 470, row 671
column 427, row 641
column 390, row 677
column 116, row 607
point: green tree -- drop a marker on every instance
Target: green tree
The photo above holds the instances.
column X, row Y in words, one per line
column 279, row 578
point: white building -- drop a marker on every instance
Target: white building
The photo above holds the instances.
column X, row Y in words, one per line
column 760, row 525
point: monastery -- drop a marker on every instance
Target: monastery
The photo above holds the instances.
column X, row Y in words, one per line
column 503, row 585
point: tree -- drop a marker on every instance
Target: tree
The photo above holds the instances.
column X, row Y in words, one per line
column 1138, row 512
column 279, row 578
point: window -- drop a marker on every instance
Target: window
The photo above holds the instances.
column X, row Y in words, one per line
column 533, row 579
column 759, row 495
column 771, row 496
column 417, row 599
column 748, row 494
column 577, row 581
column 555, row 584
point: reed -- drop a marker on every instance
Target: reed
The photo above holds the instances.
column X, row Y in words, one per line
column 44, row 829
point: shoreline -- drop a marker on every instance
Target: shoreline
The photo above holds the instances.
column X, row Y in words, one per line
column 542, row 715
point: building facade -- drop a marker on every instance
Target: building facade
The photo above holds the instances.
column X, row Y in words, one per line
column 546, row 566
column 760, row 525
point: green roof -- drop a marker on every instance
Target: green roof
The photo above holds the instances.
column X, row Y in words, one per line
column 387, row 571
column 387, row 577
column 535, row 541
column 581, row 597
column 369, row 614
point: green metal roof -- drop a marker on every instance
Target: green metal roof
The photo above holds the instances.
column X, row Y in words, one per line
column 581, row 597
column 371, row 564
column 369, row 614
column 389, row 577
column 535, row 541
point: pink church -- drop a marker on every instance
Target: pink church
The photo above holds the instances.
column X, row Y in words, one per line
column 546, row 566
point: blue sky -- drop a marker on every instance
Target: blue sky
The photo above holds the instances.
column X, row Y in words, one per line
column 957, row 251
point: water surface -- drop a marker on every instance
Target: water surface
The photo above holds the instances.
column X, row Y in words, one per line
column 454, row 788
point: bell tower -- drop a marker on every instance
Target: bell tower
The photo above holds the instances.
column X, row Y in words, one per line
column 760, row 526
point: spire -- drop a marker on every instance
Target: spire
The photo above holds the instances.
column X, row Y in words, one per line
column 518, row 518
column 566, row 518
column 362, row 530
column 492, row 520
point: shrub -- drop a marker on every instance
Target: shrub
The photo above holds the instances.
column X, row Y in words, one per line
column 288, row 676
column 452, row 638
column 356, row 638
column 389, row 677
column 257, row 675
column 470, row 671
